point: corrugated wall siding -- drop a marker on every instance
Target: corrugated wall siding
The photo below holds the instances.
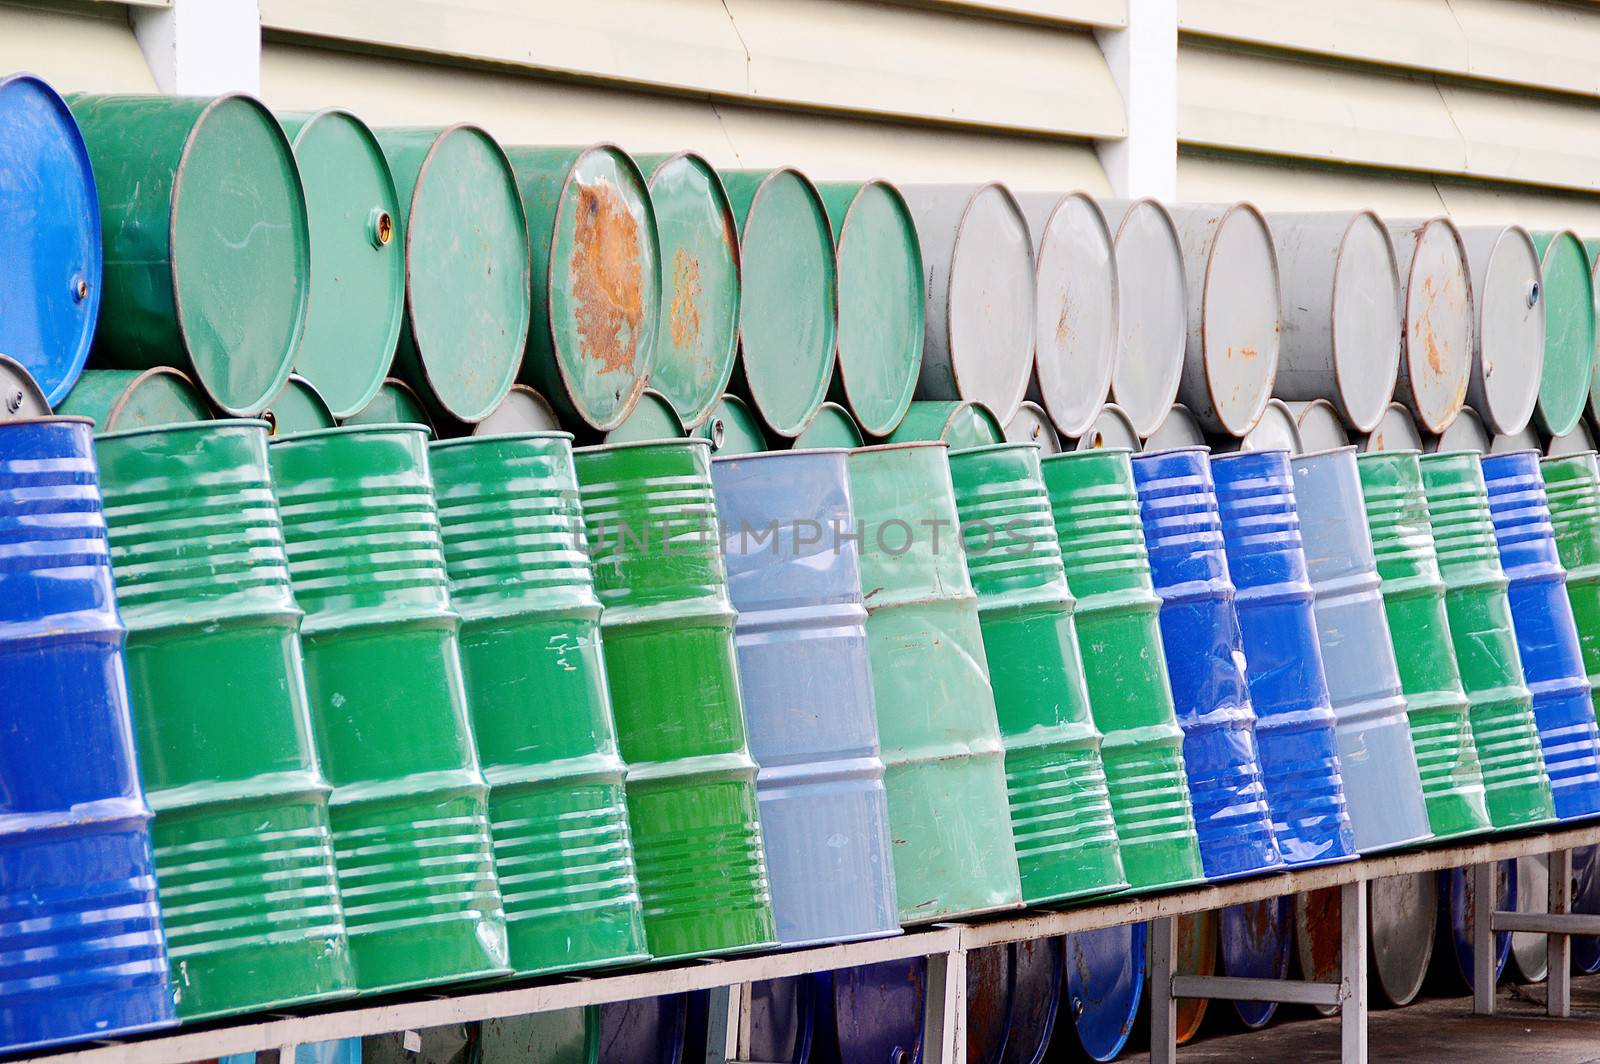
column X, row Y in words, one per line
column 77, row 48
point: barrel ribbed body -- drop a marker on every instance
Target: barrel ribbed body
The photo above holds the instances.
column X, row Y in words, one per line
column 1419, row 630
column 944, row 765
column 1061, row 817
column 388, row 709
column 1283, row 662
column 1383, row 788
column 807, row 686
column 540, row 707
column 244, row 855
column 1096, row 511
column 1572, row 487
column 82, row 955
column 1547, row 634
column 651, row 522
column 1516, row 788
column 1204, row 651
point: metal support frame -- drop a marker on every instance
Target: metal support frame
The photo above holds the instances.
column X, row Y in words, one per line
column 1558, row 925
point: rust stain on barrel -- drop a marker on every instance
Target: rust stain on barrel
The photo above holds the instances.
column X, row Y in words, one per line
column 606, row 279
column 683, row 316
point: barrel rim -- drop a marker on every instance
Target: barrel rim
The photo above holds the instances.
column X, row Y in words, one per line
column 1180, row 449
column 1089, row 452
column 1513, row 231
column 47, row 419
column 1009, row 199
column 1170, row 225
column 1487, row 458
column 901, row 446
column 990, row 448
column 1472, row 317
column 1324, row 452
column 501, row 437
column 144, row 375
column 186, row 427
column 25, row 380
column 625, row 445
column 1103, row 227
column 351, row 430
column 778, row 452
column 1569, row 456
column 1356, row 217
column 909, row 392
column 1260, row 218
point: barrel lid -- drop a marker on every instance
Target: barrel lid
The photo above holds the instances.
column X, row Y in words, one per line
column 1276, row 430
column 1154, row 316
column 1529, row 953
column 1508, row 298
column 1077, row 312
column 957, row 422
column 358, row 274
column 1111, row 428
column 51, row 296
column 1579, row 440
column 298, row 407
column 1395, row 431
column 1465, row 433
column 832, row 427
column 1569, row 331
column 1178, row 429
column 1105, row 984
column 653, row 418
column 1256, row 938
column 1510, row 442
column 989, row 317
column 140, row 399
column 395, row 403
column 522, row 410
column 1241, row 315
column 732, row 428
column 1402, row 913
column 1319, row 425
column 1031, row 424
column 1316, row 938
column 20, row 395
column 698, row 337
column 1437, row 362
column 1367, row 323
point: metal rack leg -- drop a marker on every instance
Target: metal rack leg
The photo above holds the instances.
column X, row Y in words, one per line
column 1558, row 988
column 728, row 1024
column 1483, row 951
column 1163, row 1006
column 1353, row 973
column 945, row 1009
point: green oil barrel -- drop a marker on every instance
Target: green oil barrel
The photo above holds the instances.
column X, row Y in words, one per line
column 832, row 427
column 299, row 407
column 395, row 404
column 207, row 251
column 467, row 267
column 1096, row 511
column 358, row 268
column 653, row 418
column 1419, row 626
column 135, row 399
column 668, row 634
column 882, row 306
column 1061, row 817
column 1569, row 331
column 698, row 336
column 540, row 707
column 388, row 705
column 596, row 280
column 789, row 303
column 733, row 428
column 244, row 855
column 1572, row 484
column 944, row 764
column 958, row 422
column 1516, row 788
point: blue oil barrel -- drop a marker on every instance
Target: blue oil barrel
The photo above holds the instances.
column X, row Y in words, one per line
column 1256, row 940
column 1105, row 981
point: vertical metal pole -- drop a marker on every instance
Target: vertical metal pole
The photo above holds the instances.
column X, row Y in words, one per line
column 944, row 1018
column 727, row 1024
column 1163, row 1006
column 1353, row 972
column 1484, row 897
column 1558, row 988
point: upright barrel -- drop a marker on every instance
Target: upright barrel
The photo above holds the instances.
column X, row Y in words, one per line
column 1096, row 511
column 1419, row 631
column 1516, row 788
column 803, row 668
column 1154, row 316
column 531, row 658
column 1295, row 724
column 1436, row 361
column 388, row 708
column 1060, row 810
column 51, row 241
column 1569, row 331
column 1205, row 654
column 244, row 854
column 942, row 753
column 668, row 629
column 961, row 424
column 134, row 399
column 1547, row 634
column 84, row 956
column 1508, row 325
column 207, row 250
column 1383, row 788
column 1572, row 487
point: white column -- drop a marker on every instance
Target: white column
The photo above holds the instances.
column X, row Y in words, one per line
column 1144, row 63
column 201, row 47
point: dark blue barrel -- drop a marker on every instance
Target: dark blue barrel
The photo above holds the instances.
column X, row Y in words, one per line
column 1283, row 662
column 1547, row 635
column 1200, row 629
column 1013, row 993
column 783, row 1018
column 1105, row 980
column 49, row 236
column 81, row 949
column 877, row 1012
column 1382, row 786
column 802, row 648
column 1455, row 918
column 1256, row 938
column 1586, row 899
column 645, row 1030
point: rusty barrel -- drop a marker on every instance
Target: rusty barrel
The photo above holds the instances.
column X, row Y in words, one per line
column 1013, row 1000
column 942, row 751
column 531, row 657
column 1060, row 810
column 1106, row 972
column 1500, row 708
column 388, row 707
column 1383, row 788
column 803, row 669
column 83, row 955
column 1546, row 631
column 1096, row 510
column 1419, row 631
column 1572, row 487
column 1436, row 360
column 133, row 399
column 244, row 854
column 668, row 629
column 1256, row 940
column 1295, row 724
column 1204, row 652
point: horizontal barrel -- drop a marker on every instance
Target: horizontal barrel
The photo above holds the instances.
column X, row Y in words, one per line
column 119, row 399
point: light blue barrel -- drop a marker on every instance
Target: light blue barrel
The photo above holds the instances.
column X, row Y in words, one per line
column 1382, row 785
column 802, row 648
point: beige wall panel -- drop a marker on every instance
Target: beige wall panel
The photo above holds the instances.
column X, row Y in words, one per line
column 1109, row 13
column 75, row 52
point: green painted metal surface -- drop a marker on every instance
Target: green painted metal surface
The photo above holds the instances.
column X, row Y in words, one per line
column 652, row 419
column 733, row 428
column 1516, row 788
column 244, row 855
column 540, row 706
column 596, row 279
column 1572, row 484
column 1061, row 818
column 944, row 764
column 698, row 337
column 299, row 407
column 1569, row 331
column 1096, row 511
column 207, row 251
column 395, row 404
column 882, row 305
column 135, row 399
column 958, row 422
column 789, row 303
column 388, row 705
column 468, row 267
column 668, row 633
column 1419, row 627
column 832, row 427
column 358, row 267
